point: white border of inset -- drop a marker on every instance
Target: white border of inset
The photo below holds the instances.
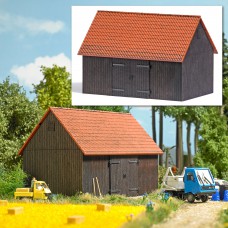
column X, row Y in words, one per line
column 82, row 17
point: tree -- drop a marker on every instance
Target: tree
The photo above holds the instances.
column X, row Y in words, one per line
column 153, row 112
column 213, row 148
column 18, row 116
column 177, row 113
column 55, row 88
column 225, row 76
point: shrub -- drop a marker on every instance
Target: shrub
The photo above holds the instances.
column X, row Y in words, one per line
column 10, row 180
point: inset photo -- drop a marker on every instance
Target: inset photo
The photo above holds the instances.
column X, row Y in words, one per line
column 147, row 55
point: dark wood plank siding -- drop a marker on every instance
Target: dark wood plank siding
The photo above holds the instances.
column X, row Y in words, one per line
column 197, row 68
column 96, row 166
column 52, row 156
column 148, row 173
column 97, row 75
column 165, row 80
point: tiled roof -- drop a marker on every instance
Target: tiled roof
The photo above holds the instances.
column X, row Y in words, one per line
column 103, row 133
column 160, row 37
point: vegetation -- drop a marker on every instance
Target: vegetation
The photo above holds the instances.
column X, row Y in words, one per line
column 223, row 218
column 18, row 117
column 155, row 215
column 55, row 88
column 10, row 180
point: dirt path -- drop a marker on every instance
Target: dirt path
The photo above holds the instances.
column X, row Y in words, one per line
column 196, row 215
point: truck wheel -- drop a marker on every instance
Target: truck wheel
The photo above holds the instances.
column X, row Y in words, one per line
column 204, row 198
column 190, row 198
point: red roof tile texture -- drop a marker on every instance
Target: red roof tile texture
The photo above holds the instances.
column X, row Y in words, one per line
column 103, row 133
column 159, row 37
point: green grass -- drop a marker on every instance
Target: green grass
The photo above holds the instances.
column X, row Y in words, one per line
column 223, row 218
column 155, row 216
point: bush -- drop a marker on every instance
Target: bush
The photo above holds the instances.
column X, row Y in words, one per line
column 161, row 174
column 10, row 180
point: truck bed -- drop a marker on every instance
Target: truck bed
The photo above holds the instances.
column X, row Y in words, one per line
column 23, row 194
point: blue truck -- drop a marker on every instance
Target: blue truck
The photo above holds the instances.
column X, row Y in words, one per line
column 193, row 184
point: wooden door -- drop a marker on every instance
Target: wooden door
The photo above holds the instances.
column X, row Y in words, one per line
column 120, row 70
column 130, row 78
column 140, row 71
column 124, row 175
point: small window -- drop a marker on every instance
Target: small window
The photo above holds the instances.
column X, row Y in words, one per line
column 190, row 177
column 51, row 126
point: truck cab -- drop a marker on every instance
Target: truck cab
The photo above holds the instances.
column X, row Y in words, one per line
column 40, row 190
column 198, row 183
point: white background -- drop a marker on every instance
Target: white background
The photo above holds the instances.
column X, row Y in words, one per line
column 82, row 17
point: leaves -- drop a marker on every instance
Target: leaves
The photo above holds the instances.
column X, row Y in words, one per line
column 214, row 139
column 18, row 116
column 55, row 88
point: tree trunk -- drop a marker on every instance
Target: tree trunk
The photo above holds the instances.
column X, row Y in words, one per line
column 189, row 143
column 154, row 124
column 161, row 135
column 179, row 145
column 197, row 126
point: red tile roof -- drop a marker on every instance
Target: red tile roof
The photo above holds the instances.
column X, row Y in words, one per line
column 159, row 37
column 103, row 133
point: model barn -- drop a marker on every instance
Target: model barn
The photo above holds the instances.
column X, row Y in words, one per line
column 69, row 148
column 144, row 55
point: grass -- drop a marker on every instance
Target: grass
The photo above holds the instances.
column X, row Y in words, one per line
column 223, row 218
column 156, row 216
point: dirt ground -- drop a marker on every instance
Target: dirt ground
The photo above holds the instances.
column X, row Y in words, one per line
column 196, row 215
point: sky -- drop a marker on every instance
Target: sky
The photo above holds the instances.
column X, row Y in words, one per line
column 35, row 33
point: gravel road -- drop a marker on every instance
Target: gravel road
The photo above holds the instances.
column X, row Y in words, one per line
column 196, row 215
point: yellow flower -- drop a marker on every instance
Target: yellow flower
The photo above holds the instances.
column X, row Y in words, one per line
column 55, row 215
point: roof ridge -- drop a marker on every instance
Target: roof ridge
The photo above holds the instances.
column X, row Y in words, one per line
column 89, row 110
column 160, row 14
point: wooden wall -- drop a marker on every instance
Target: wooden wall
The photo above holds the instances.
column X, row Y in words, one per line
column 52, row 156
column 197, row 70
column 132, row 78
column 97, row 75
column 95, row 166
column 165, row 80
column 129, row 175
column 148, row 173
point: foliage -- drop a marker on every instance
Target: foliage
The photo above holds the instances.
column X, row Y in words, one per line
column 55, row 88
column 157, row 215
column 225, row 57
column 18, row 117
column 161, row 174
column 10, row 180
column 213, row 144
column 223, row 217
column 198, row 162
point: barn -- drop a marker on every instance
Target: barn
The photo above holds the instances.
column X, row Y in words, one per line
column 69, row 148
column 145, row 55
